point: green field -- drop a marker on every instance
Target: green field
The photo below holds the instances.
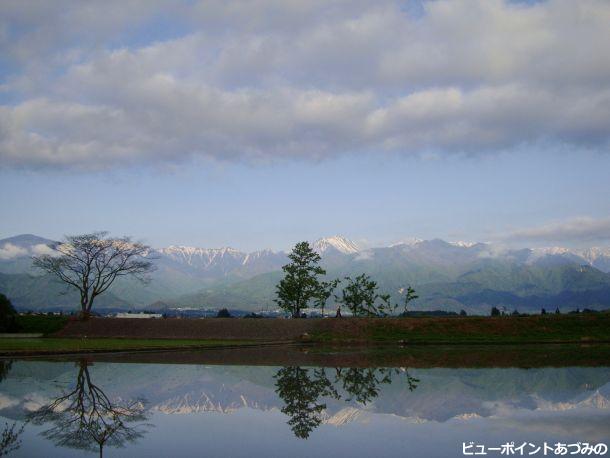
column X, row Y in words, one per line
column 63, row 345
column 579, row 328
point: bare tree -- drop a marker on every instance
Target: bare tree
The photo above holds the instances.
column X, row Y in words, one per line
column 92, row 262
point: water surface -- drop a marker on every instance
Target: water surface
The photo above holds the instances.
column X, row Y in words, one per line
column 81, row 408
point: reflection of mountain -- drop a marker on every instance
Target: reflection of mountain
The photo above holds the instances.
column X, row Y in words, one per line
column 446, row 275
column 441, row 394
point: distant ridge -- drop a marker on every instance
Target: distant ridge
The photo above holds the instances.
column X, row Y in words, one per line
column 447, row 275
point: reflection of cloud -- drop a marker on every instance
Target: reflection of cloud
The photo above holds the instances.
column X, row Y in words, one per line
column 589, row 425
column 7, row 401
column 583, row 229
column 34, row 401
column 10, row 251
column 268, row 80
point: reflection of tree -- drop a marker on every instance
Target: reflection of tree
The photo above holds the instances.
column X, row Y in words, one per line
column 362, row 384
column 5, row 368
column 85, row 418
column 300, row 393
column 9, row 441
column 301, row 388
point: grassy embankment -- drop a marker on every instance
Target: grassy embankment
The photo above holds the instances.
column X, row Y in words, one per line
column 66, row 345
column 576, row 328
column 49, row 325
column 110, row 334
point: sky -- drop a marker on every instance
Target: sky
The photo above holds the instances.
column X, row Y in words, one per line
column 256, row 124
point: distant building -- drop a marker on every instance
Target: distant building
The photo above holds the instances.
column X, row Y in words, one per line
column 138, row 315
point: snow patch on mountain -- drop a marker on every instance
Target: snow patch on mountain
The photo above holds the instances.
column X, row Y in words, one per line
column 257, row 255
column 593, row 254
column 463, row 244
column 200, row 256
column 336, row 242
column 411, row 241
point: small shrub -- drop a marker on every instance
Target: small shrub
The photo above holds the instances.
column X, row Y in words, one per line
column 8, row 315
column 223, row 313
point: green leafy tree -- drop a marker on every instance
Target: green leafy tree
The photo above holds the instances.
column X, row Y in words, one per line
column 300, row 285
column 326, row 290
column 361, row 296
column 409, row 297
column 8, row 315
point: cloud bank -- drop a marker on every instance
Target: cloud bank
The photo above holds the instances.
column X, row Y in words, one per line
column 581, row 230
column 10, row 251
column 101, row 85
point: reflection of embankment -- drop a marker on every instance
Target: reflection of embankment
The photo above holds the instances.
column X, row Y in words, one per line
column 417, row 356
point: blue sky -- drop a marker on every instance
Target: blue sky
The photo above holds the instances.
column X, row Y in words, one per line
column 256, row 124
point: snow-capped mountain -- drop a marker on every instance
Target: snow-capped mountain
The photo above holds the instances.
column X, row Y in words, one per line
column 336, row 243
column 200, row 256
column 218, row 263
column 597, row 257
column 221, row 260
column 448, row 275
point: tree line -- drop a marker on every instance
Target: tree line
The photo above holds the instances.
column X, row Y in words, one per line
column 90, row 264
column 303, row 287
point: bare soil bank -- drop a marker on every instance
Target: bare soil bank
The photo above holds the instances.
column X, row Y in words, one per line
column 533, row 329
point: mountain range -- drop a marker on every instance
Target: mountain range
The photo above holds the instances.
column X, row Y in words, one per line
column 447, row 275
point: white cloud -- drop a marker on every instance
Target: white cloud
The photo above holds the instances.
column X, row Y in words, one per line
column 10, row 251
column 40, row 249
column 581, row 229
column 269, row 80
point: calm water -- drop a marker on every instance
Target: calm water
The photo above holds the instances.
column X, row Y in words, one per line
column 133, row 409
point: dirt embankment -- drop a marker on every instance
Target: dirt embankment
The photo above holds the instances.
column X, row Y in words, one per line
column 227, row 328
column 177, row 328
column 532, row 329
